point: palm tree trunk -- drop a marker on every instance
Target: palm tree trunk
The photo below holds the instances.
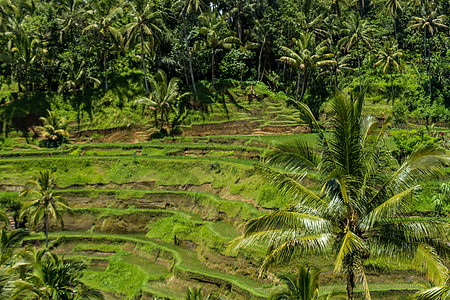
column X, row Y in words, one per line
column 156, row 118
column 395, row 26
column 429, row 67
column 359, row 67
column 298, row 83
column 303, row 88
column 425, row 43
column 188, row 53
column 143, row 61
column 392, row 88
column 259, row 61
column 162, row 119
column 105, row 64
column 212, row 67
column 350, row 284
column 46, row 229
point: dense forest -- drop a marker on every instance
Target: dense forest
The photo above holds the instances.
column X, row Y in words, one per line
column 307, row 49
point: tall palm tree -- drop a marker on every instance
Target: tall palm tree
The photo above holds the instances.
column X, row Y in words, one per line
column 162, row 96
column 145, row 22
column 102, row 18
column 217, row 36
column 303, row 286
column 187, row 7
column 389, row 56
column 52, row 277
column 394, row 8
column 70, row 16
column 43, row 204
column 306, row 56
column 77, row 81
column 360, row 210
column 430, row 23
column 356, row 32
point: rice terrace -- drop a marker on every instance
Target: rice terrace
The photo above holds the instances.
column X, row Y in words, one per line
column 231, row 149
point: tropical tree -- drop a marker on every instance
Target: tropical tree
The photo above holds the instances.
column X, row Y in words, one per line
column 187, row 7
column 9, row 242
column 217, row 36
column 76, row 83
column 360, row 211
column 43, row 204
column 303, row 286
column 102, row 18
column 52, row 277
column 435, row 293
column 356, row 32
column 306, row 56
column 389, row 56
column 145, row 22
column 70, row 14
column 430, row 23
column 162, row 97
column 394, row 8
column 54, row 130
column 25, row 51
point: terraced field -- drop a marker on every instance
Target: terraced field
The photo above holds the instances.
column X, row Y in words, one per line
column 154, row 218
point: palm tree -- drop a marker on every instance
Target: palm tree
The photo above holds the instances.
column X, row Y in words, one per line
column 360, row 211
column 102, row 18
column 389, row 57
column 217, row 36
column 435, row 293
column 145, row 22
column 9, row 242
column 70, row 12
column 77, row 81
column 356, row 32
column 54, row 132
column 51, row 277
column 187, row 7
column 162, row 96
column 43, row 204
column 303, row 286
column 430, row 23
column 394, row 7
column 306, row 56
column 26, row 49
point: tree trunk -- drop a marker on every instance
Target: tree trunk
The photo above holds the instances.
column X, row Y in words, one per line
column 188, row 53
column 143, row 60
column 429, row 66
column 359, row 67
column 395, row 26
column 105, row 64
column 26, row 82
column 162, row 119
column 303, row 88
column 425, row 43
column 212, row 67
column 156, row 118
column 46, row 229
column 350, row 284
column 298, row 83
column 392, row 88
column 259, row 61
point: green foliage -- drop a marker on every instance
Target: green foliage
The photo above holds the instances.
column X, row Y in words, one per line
column 409, row 140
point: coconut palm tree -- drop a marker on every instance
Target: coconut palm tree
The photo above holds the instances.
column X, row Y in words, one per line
column 303, row 286
column 306, row 56
column 54, row 132
column 187, row 7
column 43, row 204
column 102, row 17
column 394, row 8
column 360, row 211
column 430, row 23
column 435, row 293
column 145, row 22
column 162, row 96
column 356, row 32
column 76, row 83
column 389, row 56
column 217, row 36
column 52, row 277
